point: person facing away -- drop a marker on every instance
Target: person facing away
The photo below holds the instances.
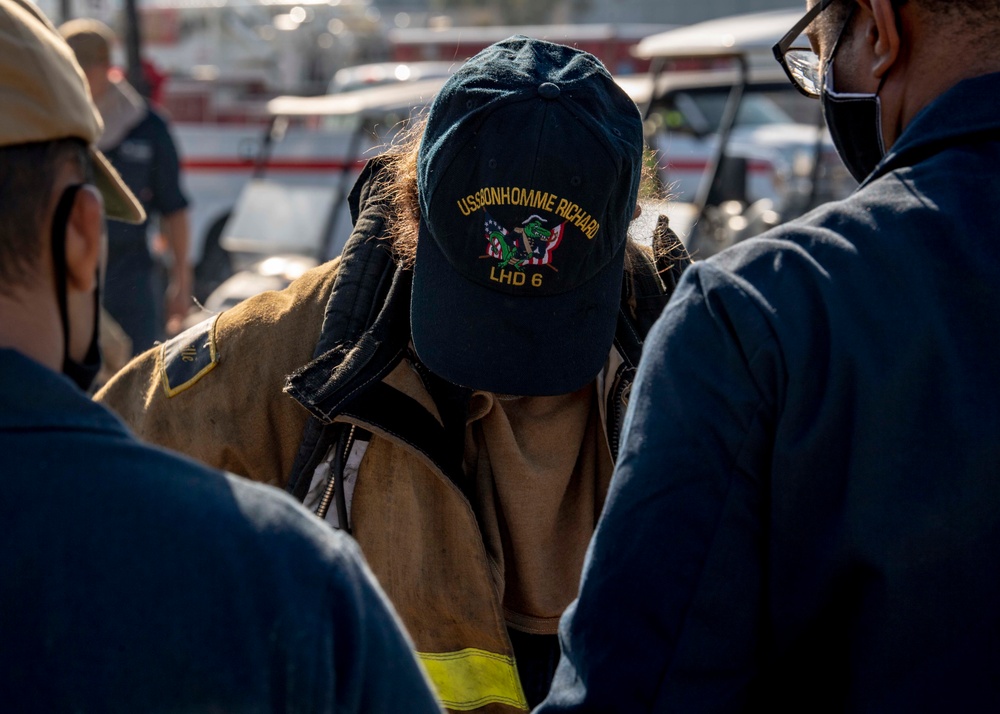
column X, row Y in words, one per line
column 131, row 579
column 137, row 141
column 806, row 511
column 451, row 387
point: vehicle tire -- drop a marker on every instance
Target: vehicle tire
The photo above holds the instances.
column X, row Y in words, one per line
column 216, row 263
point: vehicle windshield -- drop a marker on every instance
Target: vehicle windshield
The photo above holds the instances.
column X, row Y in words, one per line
column 755, row 109
column 700, row 111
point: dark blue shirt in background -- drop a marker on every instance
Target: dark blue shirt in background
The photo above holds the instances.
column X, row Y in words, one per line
column 135, row 580
column 134, row 288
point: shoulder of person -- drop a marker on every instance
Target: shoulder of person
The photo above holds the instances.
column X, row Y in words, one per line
column 282, row 542
column 267, row 511
column 215, row 391
column 156, row 118
column 274, row 331
column 233, row 518
column 154, row 126
column 329, row 599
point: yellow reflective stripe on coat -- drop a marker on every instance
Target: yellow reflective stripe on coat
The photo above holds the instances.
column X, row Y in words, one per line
column 472, row 678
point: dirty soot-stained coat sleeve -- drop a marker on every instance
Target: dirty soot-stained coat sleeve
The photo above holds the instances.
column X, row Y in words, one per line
column 230, row 414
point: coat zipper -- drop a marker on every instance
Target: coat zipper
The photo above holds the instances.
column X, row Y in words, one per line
column 331, row 487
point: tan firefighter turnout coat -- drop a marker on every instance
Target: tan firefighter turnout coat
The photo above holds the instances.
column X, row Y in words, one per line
column 222, row 393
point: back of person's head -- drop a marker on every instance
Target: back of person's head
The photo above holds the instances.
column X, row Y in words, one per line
column 46, row 119
column 972, row 17
column 527, row 179
column 91, row 41
column 969, row 27
column 966, row 23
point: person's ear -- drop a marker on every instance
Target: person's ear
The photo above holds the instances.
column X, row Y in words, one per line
column 882, row 35
column 84, row 240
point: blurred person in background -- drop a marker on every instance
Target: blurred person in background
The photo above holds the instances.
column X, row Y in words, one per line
column 137, row 141
column 133, row 579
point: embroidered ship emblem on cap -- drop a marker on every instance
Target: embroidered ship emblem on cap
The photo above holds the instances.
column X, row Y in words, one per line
column 532, row 243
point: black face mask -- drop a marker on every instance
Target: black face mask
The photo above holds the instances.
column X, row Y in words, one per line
column 855, row 123
column 82, row 373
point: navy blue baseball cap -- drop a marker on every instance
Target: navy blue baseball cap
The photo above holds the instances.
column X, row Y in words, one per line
column 527, row 175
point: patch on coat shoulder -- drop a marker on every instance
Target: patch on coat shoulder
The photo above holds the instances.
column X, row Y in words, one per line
column 188, row 357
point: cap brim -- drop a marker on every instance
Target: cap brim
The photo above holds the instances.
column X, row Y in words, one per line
column 119, row 202
column 523, row 345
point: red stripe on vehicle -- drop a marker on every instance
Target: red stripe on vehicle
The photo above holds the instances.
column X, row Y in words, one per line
column 285, row 165
column 755, row 167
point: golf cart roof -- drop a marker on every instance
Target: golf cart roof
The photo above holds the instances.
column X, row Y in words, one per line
column 749, row 34
column 407, row 95
column 399, row 96
column 761, row 78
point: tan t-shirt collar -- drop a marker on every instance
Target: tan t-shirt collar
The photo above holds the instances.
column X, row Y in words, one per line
column 541, row 467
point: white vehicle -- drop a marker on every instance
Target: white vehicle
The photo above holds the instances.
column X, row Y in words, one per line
column 363, row 76
column 683, row 126
column 225, row 59
column 219, row 160
column 305, row 212
column 735, row 140
column 216, row 161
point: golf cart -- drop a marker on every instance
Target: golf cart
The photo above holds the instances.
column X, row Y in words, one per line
column 734, row 140
column 327, row 140
column 293, row 214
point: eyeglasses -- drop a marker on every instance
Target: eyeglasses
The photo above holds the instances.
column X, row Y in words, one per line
column 801, row 64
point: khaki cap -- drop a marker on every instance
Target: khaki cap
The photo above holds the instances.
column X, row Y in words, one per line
column 44, row 97
column 90, row 40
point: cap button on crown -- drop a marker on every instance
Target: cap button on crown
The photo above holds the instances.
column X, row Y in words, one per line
column 547, row 90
